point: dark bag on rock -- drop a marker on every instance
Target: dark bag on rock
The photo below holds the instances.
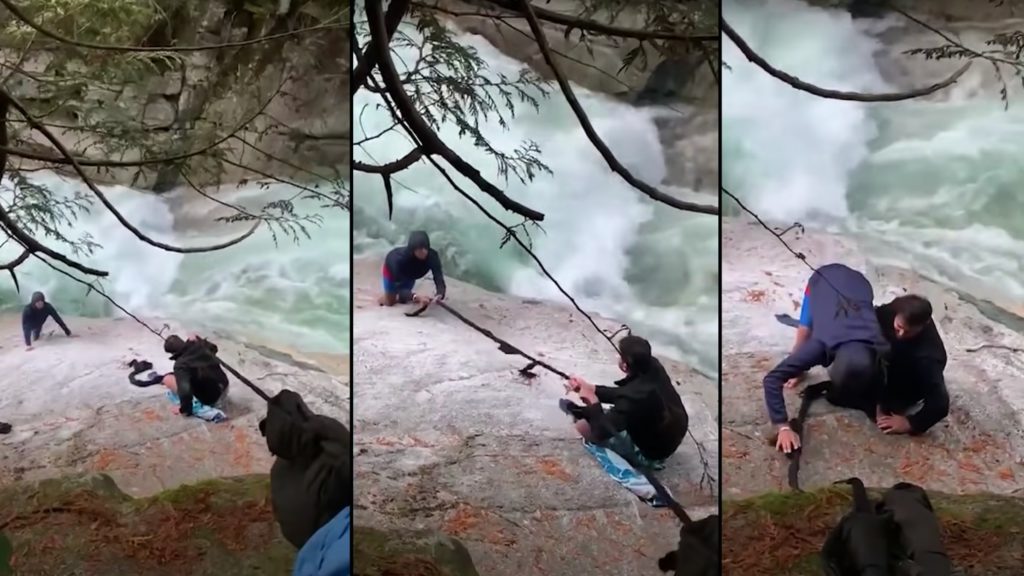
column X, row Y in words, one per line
column 900, row 535
column 859, row 544
column 699, row 548
column 311, row 479
column 921, row 552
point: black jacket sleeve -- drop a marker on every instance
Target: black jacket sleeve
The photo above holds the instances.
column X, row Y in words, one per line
column 437, row 273
column 183, row 380
column 56, row 318
column 936, row 397
column 26, row 326
column 604, row 425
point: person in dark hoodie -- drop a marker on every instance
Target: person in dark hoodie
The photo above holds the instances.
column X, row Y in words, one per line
column 647, row 420
column 197, row 372
column 35, row 315
column 914, row 396
column 404, row 265
column 838, row 329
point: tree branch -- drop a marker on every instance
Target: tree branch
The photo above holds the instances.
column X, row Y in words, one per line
column 402, row 163
column 592, row 135
column 20, row 15
column 431, row 142
column 103, row 198
column 366, row 60
column 27, row 241
column 598, row 27
column 799, row 84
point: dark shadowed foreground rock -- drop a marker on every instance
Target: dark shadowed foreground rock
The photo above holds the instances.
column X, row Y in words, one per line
column 86, row 525
column 410, row 553
column 782, row 534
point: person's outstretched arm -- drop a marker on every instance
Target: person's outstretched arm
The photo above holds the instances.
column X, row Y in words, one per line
column 56, row 318
column 810, row 354
column 26, row 326
column 435, row 270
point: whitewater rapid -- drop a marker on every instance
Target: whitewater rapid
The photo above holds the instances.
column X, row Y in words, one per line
column 933, row 185
column 618, row 253
column 294, row 295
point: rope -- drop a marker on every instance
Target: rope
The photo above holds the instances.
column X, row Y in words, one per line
column 508, row 348
column 807, row 397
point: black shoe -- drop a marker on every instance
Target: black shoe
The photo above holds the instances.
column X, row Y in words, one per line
column 571, row 408
column 5, row 428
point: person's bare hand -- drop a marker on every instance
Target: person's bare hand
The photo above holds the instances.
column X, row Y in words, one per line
column 574, row 383
column 794, row 381
column 788, row 440
column 894, row 424
column 587, row 393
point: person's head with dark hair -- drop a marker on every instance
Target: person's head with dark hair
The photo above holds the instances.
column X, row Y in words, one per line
column 173, row 344
column 419, row 243
column 913, row 313
column 634, row 354
column 38, row 299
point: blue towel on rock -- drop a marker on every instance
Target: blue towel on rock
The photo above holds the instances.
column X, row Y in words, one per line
column 625, row 474
column 208, row 413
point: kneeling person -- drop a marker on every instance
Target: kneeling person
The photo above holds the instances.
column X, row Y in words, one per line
column 197, row 372
column 838, row 329
column 647, row 420
column 404, row 265
column 914, row 397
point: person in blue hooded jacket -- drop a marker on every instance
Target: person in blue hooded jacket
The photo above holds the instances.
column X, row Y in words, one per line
column 35, row 314
column 404, row 265
column 838, row 329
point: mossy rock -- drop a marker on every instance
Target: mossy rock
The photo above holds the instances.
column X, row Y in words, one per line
column 409, row 553
column 86, row 525
column 781, row 534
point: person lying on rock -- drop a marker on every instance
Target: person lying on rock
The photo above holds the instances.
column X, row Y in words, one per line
column 310, row 484
column 914, row 397
column 35, row 315
column 647, row 420
column 838, row 329
column 404, row 265
column 197, row 372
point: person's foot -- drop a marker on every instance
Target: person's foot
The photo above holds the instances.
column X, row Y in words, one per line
column 5, row 428
column 570, row 408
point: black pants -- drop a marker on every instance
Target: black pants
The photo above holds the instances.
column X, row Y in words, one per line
column 857, row 374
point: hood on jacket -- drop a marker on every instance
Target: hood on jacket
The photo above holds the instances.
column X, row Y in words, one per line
column 418, row 239
column 37, row 297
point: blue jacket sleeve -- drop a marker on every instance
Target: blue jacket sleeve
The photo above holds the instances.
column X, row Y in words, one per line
column 437, row 273
column 56, row 318
column 26, row 326
column 810, row 354
column 326, row 553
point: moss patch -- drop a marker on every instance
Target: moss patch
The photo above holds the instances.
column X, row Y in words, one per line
column 86, row 525
column 408, row 553
column 782, row 534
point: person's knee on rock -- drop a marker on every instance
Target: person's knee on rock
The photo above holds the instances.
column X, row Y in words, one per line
column 647, row 418
column 854, row 373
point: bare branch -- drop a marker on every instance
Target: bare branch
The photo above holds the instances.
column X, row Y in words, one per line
column 103, row 198
column 592, row 135
column 402, row 163
column 799, row 84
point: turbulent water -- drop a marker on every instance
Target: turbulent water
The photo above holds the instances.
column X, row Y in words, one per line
column 615, row 251
column 291, row 295
column 934, row 185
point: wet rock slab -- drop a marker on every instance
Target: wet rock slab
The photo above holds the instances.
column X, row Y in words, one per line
column 450, row 438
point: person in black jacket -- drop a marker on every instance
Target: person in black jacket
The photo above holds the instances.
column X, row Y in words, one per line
column 197, row 372
column 404, row 265
column 647, row 420
column 35, row 315
column 914, row 397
